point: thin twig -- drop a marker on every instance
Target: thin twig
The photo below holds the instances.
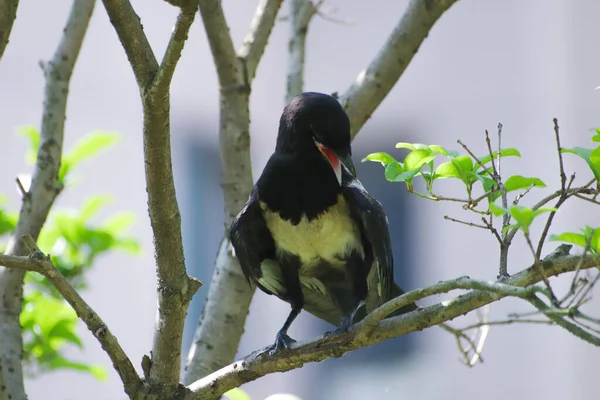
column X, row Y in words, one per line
column 510, row 322
column 491, row 152
column 579, row 196
column 447, row 218
column 582, row 189
column 563, row 197
column 21, row 188
column 523, row 194
column 492, row 229
column 563, row 176
column 559, row 320
column 475, row 158
column 578, row 269
column 41, row 263
column 538, row 265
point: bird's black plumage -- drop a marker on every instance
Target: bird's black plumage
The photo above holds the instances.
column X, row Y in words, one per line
column 310, row 233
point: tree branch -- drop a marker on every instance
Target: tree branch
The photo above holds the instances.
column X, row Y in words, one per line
column 41, row 263
column 186, row 16
column 222, row 322
column 365, row 333
column 302, row 12
column 374, row 83
column 8, row 13
column 258, row 35
column 131, row 34
column 221, row 45
column 175, row 287
column 41, row 194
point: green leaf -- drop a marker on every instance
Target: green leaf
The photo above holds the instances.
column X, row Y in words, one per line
column 33, row 135
column 510, row 152
column 119, row 223
column 496, row 210
column 592, row 160
column 91, row 207
column 411, row 146
column 405, row 176
column 589, row 233
column 525, row 215
column 447, row 170
column 442, row 150
column 392, row 170
column 96, row 371
column 463, row 163
column 383, row 158
column 129, row 245
column 570, row 237
column 418, row 158
column 596, row 137
column 65, row 330
column 8, row 222
column 517, row 182
column 237, row 394
column 85, row 148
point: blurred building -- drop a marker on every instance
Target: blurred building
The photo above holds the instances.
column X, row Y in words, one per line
column 519, row 63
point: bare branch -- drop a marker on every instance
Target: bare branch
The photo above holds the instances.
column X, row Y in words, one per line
column 374, row 83
column 563, row 176
column 41, row 263
column 471, row 224
column 302, row 12
column 572, row 328
column 8, row 13
column 175, row 287
column 131, row 34
column 368, row 331
column 36, row 203
column 222, row 323
column 538, row 265
column 258, row 35
column 221, row 45
column 186, row 16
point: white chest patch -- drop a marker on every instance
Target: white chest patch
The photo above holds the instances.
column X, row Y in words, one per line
column 327, row 237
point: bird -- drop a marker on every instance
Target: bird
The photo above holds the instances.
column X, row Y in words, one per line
column 310, row 233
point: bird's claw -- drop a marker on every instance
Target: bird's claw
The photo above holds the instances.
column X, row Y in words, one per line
column 282, row 342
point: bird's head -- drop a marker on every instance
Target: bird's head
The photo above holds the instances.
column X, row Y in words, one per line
column 317, row 122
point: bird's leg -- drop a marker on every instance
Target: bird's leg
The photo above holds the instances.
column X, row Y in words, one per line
column 358, row 276
column 282, row 339
column 348, row 320
column 291, row 280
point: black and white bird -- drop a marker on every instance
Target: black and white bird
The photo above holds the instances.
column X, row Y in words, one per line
column 310, row 233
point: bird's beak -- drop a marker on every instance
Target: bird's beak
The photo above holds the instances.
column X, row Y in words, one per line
column 336, row 159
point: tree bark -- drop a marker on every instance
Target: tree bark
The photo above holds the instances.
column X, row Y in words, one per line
column 8, row 14
column 40, row 195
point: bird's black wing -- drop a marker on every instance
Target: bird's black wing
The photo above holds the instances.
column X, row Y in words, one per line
column 375, row 238
column 251, row 239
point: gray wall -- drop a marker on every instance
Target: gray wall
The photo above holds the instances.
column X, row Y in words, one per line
column 521, row 63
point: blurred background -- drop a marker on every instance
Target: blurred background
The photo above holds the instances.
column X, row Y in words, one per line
column 516, row 62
